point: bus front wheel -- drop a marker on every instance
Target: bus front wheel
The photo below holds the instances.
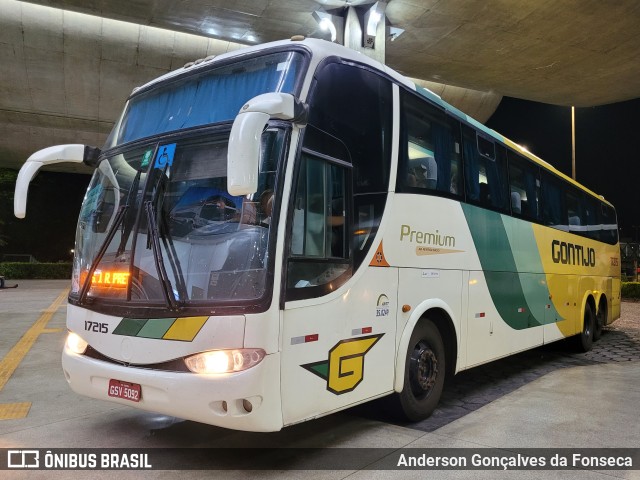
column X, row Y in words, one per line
column 424, row 373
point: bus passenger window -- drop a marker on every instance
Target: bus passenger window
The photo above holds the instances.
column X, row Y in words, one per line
column 591, row 217
column 485, row 171
column 574, row 212
column 524, row 187
column 554, row 210
column 431, row 155
column 608, row 224
column 486, row 148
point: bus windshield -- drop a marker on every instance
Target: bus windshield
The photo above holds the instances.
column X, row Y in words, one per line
column 158, row 227
column 212, row 96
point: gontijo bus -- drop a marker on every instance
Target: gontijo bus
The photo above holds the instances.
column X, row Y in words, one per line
column 291, row 229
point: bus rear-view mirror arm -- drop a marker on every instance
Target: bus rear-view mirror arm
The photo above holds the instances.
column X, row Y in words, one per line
column 73, row 153
column 243, row 157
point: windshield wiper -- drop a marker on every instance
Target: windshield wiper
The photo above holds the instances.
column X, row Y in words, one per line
column 127, row 226
column 154, row 238
column 161, row 232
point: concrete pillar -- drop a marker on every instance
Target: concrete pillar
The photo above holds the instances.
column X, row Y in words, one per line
column 354, row 37
column 479, row 105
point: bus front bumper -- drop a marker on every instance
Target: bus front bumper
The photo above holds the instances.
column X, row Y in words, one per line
column 247, row 400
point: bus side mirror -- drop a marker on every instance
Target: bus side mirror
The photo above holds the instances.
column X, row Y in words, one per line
column 74, row 153
column 243, row 157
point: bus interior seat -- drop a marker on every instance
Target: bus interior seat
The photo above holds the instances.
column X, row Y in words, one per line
column 432, row 172
column 423, row 172
column 484, row 193
column 574, row 221
column 516, row 203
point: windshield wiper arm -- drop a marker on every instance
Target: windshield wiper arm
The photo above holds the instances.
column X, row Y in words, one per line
column 128, row 225
column 154, row 237
column 174, row 260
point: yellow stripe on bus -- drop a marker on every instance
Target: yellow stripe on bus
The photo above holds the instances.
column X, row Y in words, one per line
column 185, row 329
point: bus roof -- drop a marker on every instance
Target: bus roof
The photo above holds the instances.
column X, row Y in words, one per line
column 322, row 48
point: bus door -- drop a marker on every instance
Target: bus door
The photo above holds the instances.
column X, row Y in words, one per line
column 338, row 335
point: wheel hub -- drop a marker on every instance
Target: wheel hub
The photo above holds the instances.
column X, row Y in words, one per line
column 424, row 368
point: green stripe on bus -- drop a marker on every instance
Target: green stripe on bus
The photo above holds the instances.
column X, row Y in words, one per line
column 507, row 287
column 156, row 327
column 527, row 258
column 129, row 327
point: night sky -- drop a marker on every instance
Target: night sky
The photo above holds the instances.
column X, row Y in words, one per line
column 606, row 158
column 606, row 162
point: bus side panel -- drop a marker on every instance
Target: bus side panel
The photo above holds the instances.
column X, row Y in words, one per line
column 575, row 268
column 507, row 296
column 339, row 350
column 616, row 285
column 428, row 239
column 418, row 286
column 494, row 314
column 505, row 292
column 562, row 321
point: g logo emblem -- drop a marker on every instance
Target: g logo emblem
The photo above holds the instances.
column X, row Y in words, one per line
column 345, row 368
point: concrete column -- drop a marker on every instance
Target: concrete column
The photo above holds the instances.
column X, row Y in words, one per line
column 353, row 34
column 479, row 105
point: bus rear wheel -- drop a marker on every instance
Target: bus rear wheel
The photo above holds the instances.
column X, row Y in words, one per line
column 424, row 373
column 584, row 341
column 601, row 318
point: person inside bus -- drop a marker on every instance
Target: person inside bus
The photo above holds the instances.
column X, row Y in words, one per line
column 266, row 207
column 516, row 203
column 423, row 173
column 453, row 188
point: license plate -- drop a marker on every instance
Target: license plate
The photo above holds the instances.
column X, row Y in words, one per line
column 126, row 390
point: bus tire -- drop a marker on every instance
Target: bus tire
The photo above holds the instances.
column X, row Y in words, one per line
column 601, row 318
column 584, row 340
column 424, row 373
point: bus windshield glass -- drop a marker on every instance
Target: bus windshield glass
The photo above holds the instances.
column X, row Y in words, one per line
column 158, row 228
column 214, row 95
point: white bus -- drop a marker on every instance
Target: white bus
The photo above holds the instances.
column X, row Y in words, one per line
column 292, row 229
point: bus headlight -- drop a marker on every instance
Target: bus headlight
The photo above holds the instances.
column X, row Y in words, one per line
column 76, row 344
column 225, row 361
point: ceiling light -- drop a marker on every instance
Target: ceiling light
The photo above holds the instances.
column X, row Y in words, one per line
column 394, row 32
column 371, row 20
column 325, row 21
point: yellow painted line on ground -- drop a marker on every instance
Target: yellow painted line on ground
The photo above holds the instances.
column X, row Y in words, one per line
column 14, row 411
column 12, row 359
